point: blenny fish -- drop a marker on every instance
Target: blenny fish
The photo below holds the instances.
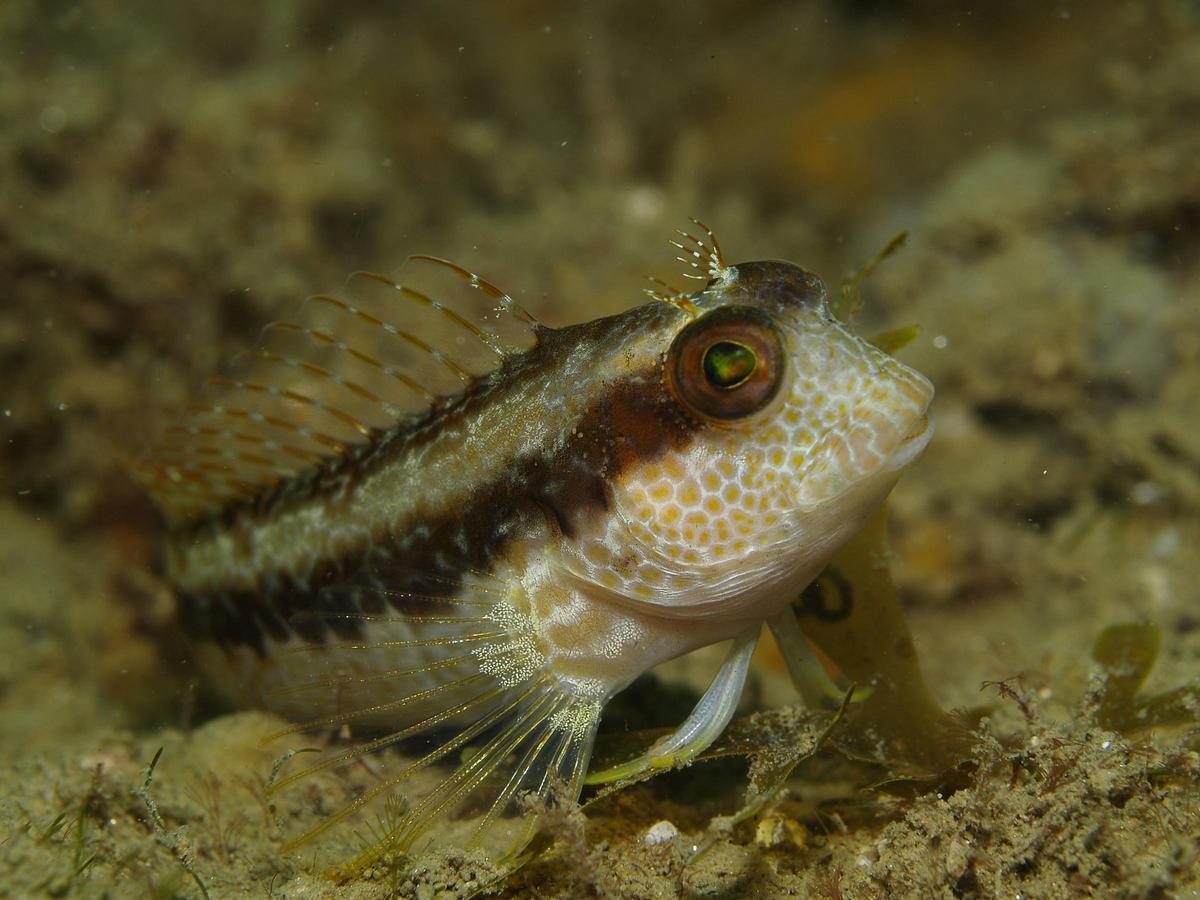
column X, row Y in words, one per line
column 419, row 519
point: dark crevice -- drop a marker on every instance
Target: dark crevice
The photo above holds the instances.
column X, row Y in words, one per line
column 1015, row 417
column 1174, row 452
column 47, row 170
column 1043, row 513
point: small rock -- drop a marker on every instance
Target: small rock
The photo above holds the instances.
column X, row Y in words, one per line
column 660, row 833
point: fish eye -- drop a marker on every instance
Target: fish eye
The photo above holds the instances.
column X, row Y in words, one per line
column 726, row 365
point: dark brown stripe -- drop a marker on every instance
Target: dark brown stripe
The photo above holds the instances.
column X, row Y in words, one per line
column 338, row 476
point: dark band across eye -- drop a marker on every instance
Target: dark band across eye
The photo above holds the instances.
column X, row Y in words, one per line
column 726, row 365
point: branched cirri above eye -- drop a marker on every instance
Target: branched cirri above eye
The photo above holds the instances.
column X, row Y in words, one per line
column 726, row 365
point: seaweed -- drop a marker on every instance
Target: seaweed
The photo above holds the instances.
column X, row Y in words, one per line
column 224, row 831
column 1127, row 654
column 771, row 764
column 71, row 827
column 172, row 839
column 395, row 864
column 848, row 303
column 851, row 615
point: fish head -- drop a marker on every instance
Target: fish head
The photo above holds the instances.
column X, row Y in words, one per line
column 798, row 430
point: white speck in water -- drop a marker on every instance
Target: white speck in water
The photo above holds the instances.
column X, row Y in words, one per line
column 645, row 203
column 1166, row 543
column 940, row 341
column 1144, row 493
column 1156, row 583
column 53, row 119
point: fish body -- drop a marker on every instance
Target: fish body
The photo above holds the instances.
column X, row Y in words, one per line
column 466, row 532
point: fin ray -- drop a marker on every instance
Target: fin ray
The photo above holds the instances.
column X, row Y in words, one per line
column 390, row 706
column 514, row 750
column 404, row 643
column 393, row 737
column 386, row 675
column 441, row 750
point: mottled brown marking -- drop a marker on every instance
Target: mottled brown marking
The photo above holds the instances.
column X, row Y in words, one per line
column 774, row 286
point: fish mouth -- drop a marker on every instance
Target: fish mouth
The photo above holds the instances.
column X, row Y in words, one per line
column 912, row 445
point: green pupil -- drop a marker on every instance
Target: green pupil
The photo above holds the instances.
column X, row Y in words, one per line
column 726, row 364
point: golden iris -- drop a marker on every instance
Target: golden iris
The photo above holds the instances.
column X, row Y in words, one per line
column 726, row 364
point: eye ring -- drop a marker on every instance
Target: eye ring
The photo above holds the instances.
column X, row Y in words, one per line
column 727, row 365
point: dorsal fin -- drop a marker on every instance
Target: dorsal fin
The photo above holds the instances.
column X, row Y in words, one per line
column 351, row 366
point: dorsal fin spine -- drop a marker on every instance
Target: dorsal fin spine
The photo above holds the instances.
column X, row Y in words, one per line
column 304, row 399
column 459, row 372
column 321, row 337
column 320, row 437
column 243, row 437
column 489, row 340
column 480, row 283
column 333, row 377
column 181, row 454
